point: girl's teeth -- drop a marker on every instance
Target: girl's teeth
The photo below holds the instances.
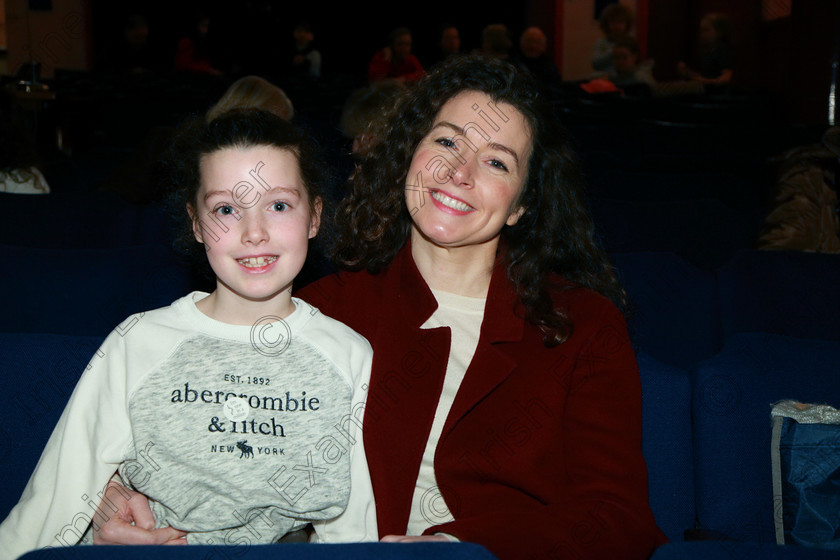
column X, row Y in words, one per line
column 451, row 202
column 256, row 261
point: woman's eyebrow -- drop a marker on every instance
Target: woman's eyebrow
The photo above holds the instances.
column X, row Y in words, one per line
column 460, row 132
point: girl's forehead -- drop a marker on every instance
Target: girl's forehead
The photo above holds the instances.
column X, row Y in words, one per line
column 238, row 167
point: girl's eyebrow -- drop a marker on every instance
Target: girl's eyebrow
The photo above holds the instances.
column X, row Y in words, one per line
column 290, row 190
column 274, row 190
column 495, row 145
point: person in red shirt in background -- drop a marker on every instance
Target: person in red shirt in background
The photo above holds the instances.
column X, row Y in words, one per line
column 396, row 61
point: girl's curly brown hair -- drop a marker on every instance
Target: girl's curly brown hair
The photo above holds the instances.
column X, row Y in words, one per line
column 555, row 233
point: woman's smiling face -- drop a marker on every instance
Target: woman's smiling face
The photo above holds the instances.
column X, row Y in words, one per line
column 467, row 174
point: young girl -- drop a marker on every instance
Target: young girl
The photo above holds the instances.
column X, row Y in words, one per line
column 237, row 412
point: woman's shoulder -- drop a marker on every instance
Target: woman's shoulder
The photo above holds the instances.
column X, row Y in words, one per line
column 581, row 303
column 327, row 291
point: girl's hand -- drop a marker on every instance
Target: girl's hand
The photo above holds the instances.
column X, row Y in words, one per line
column 132, row 523
column 419, row 538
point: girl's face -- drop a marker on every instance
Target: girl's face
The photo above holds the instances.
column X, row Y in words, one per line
column 253, row 215
column 468, row 172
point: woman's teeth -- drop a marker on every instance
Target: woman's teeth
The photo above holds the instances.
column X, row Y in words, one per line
column 450, row 202
column 256, row 261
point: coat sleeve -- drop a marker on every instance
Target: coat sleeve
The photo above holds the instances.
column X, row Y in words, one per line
column 601, row 509
column 81, row 455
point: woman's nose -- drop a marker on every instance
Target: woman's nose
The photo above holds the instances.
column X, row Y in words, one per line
column 462, row 174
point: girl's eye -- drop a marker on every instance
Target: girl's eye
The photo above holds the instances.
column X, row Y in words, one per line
column 498, row 164
column 445, row 142
column 224, row 210
column 280, row 206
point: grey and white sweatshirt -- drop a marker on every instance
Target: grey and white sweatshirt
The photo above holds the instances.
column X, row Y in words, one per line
column 237, row 434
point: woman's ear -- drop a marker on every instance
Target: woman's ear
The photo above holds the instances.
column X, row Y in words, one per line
column 315, row 216
column 196, row 223
column 515, row 215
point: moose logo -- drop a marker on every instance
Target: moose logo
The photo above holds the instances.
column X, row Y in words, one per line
column 247, row 450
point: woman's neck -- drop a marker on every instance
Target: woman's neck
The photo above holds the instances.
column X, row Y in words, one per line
column 464, row 271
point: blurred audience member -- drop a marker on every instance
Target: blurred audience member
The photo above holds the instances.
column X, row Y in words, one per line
column 533, row 46
column 253, row 92
column 134, row 53
column 306, row 60
column 19, row 171
column 366, row 110
column 495, row 41
column 135, row 182
column 616, row 21
column 628, row 69
column 193, row 51
column 449, row 43
column 395, row 60
column 717, row 51
column 804, row 216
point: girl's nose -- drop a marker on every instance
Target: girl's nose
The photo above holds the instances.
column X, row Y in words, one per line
column 254, row 231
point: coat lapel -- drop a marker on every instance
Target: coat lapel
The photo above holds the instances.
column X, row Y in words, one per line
column 489, row 366
column 409, row 365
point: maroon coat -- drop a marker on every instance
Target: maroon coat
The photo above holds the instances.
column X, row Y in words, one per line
column 540, row 456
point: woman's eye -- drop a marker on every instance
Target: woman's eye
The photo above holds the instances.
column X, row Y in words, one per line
column 446, row 142
column 280, row 206
column 224, row 210
column 498, row 164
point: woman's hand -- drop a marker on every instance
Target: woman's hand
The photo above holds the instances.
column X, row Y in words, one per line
column 418, row 538
column 132, row 522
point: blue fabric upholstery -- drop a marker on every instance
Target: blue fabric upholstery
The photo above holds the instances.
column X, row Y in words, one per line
column 674, row 313
column 732, row 396
column 704, row 232
column 732, row 550
column 85, row 291
column 38, row 372
column 81, row 220
column 783, row 292
column 666, row 443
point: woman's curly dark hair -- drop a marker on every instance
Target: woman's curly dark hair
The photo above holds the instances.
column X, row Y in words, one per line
column 555, row 233
column 180, row 171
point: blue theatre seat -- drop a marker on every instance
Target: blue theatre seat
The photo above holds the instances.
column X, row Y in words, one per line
column 667, row 444
column 732, row 396
column 86, row 291
column 37, row 374
column 674, row 309
column 784, row 292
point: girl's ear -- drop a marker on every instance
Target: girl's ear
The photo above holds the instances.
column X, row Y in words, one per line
column 515, row 215
column 315, row 216
column 196, row 224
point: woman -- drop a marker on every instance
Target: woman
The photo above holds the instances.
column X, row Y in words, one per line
column 504, row 405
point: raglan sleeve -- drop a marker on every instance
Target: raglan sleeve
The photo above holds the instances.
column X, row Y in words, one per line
column 358, row 521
